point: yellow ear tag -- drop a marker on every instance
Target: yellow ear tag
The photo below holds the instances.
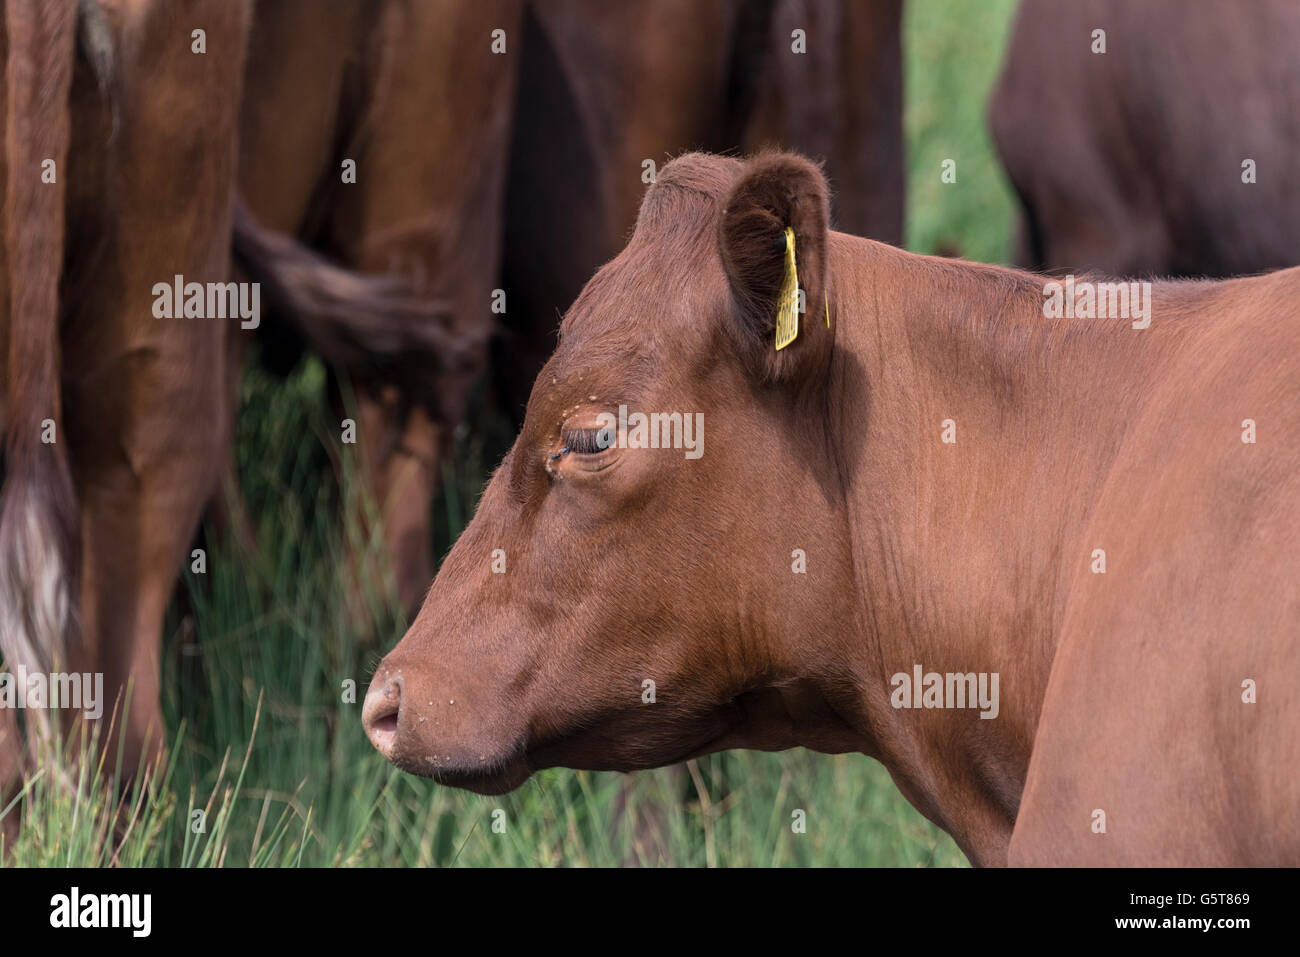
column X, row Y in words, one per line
column 787, row 313
column 828, row 310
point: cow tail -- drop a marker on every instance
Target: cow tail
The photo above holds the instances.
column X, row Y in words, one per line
column 369, row 325
column 38, row 508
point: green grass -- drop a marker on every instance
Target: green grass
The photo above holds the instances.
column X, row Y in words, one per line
column 951, row 55
column 257, row 651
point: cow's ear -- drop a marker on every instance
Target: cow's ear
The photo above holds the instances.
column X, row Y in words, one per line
column 775, row 193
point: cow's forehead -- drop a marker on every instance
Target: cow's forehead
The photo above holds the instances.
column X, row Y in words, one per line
column 654, row 289
column 643, row 297
column 654, row 307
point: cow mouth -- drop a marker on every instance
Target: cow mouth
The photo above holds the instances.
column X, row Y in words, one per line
column 509, row 769
column 486, row 783
column 497, row 777
column 502, row 778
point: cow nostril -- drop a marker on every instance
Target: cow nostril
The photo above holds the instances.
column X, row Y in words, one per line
column 380, row 715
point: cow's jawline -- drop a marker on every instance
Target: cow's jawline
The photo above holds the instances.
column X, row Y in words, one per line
column 718, row 733
column 499, row 780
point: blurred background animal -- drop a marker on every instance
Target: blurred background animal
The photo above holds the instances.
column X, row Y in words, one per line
column 1154, row 138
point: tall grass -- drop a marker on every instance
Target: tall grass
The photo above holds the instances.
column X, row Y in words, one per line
column 258, row 650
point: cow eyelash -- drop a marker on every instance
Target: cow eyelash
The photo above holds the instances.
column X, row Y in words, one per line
column 585, row 441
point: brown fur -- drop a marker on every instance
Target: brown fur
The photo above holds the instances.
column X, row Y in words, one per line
column 718, row 76
column 144, row 412
column 1129, row 161
column 149, row 402
column 372, row 326
column 1118, row 691
column 412, row 93
column 38, row 504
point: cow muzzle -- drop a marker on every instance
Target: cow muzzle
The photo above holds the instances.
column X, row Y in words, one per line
column 434, row 737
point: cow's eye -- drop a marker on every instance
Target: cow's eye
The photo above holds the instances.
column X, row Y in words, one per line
column 588, row 441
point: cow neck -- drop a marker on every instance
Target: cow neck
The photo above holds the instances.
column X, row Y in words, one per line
column 964, row 551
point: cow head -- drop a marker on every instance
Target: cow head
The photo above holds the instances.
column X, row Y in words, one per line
column 619, row 607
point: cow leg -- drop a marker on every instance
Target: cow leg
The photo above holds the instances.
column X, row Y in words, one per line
column 447, row 244
column 147, row 410
column 1096, row 797
column 141, row 508
column 399, row 458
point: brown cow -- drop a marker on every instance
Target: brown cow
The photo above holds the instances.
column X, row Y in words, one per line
column 944, row 461
column 1173, row 152
column 606, row 87
column 114, row 418
column 415, row 97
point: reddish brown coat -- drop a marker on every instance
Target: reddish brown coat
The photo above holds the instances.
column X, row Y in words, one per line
column 1119, row 691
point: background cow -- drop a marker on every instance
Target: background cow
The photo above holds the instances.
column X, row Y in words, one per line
column 413, row 96
column 94, row 524
column 117, row 423
column 1173, row 152
column 419, row 99
column 604, row 88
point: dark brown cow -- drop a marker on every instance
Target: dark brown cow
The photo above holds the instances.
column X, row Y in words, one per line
column 415, row 97
column 944, row 462
column 1133, row 161
column 94, row 524
column 139, row 406
column 604, row 87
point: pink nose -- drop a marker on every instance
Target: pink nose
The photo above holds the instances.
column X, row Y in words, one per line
column 380, row 712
